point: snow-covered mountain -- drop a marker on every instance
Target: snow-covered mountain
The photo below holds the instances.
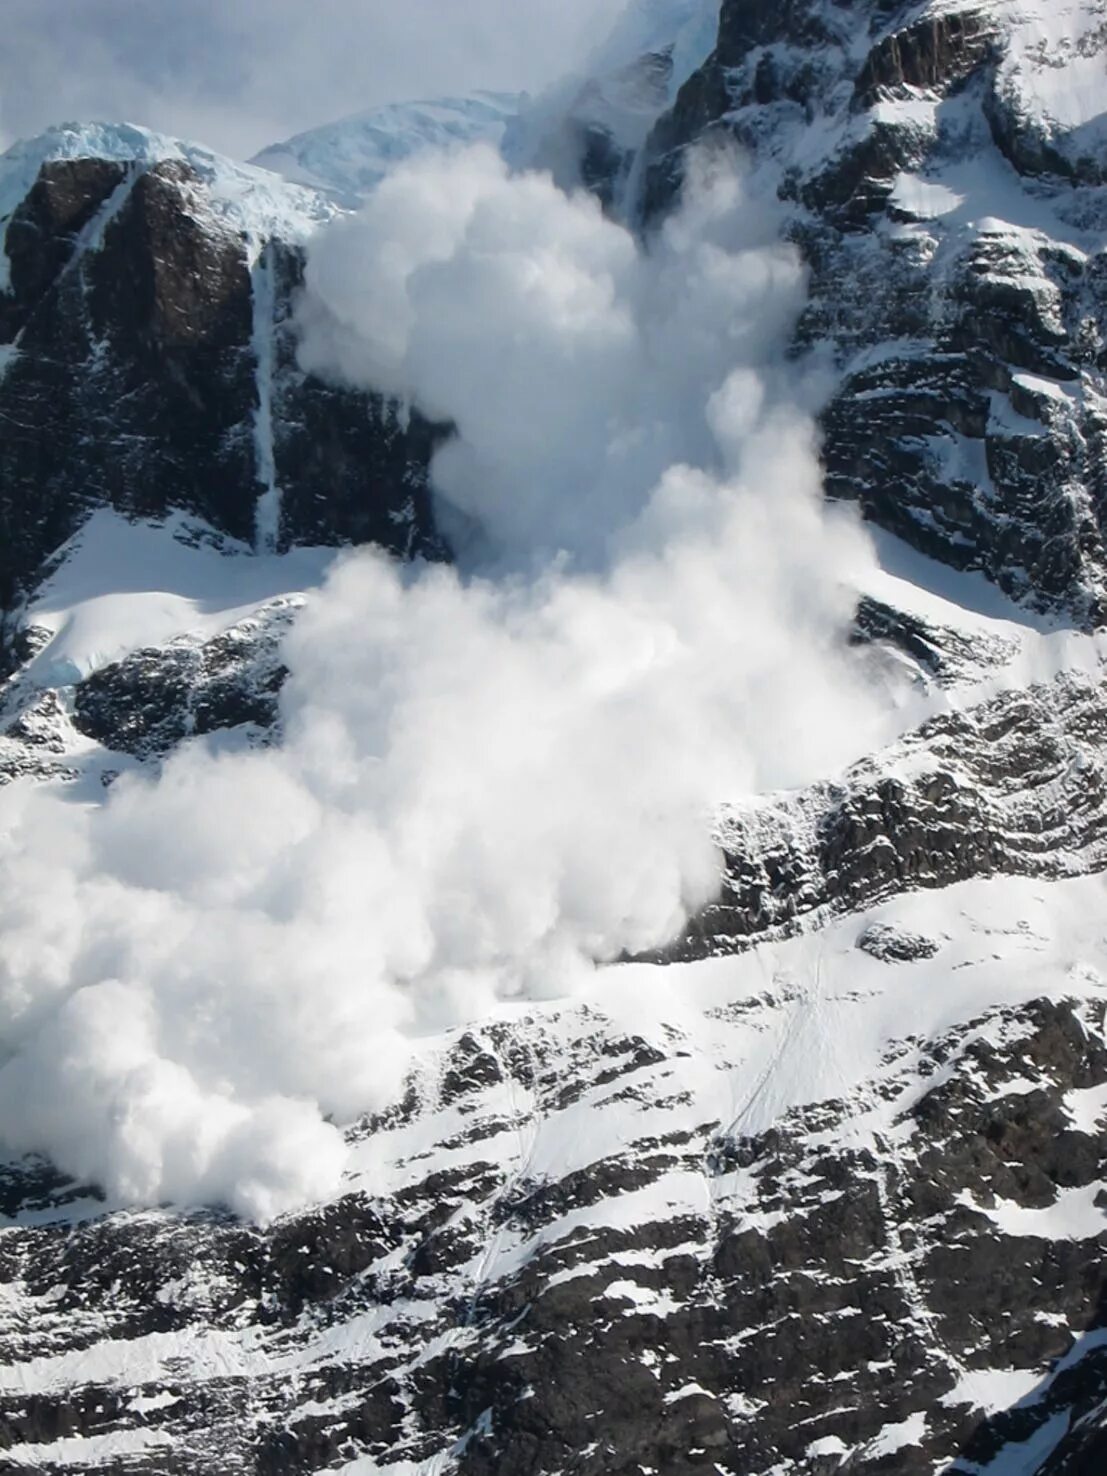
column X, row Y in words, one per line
column 349, row 158
column 590, row 129
column 148, row 362
column 584, row 127
column 818, row 1187
column 941, row 165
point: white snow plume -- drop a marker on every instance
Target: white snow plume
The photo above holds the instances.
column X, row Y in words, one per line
column 492, row 777
column 577, row 368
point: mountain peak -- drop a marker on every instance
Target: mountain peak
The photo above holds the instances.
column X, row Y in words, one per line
column 350, row 156
column 248, row 198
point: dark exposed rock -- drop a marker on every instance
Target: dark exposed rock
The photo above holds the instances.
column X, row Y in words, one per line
column 150, row 702
column 1014, row 787
column 841, row 1282
column 952, row 425
column 896, row 945
column 352, row 468
column 44, row 231
column 939, row 654
column 938, row 52
column 132, row 384
column 143, row 353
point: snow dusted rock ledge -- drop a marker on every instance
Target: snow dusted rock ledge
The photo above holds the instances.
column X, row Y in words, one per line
column 801, row 1211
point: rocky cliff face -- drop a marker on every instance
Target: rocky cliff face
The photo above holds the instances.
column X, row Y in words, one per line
column 1015, row 786
column 945, row 186
column 827, row 1192
column 148, row 365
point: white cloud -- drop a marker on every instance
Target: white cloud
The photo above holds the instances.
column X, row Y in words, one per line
column 493, row 776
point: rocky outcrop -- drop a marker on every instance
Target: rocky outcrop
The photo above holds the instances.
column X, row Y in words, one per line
column 1015, row 786
column 969, row 413
column 938, row 52
column 148, row 703
column 350, row 467
column 835, row 1292
column 44, row 231
column 150, row 366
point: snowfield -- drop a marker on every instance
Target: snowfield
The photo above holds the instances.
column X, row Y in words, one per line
column 123, row 586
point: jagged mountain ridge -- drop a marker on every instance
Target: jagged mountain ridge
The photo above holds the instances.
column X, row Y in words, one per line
column 944, row 165
column 832, row 1205
column 612, row 1237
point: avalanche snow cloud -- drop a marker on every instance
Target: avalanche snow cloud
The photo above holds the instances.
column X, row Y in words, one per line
column 492, row 777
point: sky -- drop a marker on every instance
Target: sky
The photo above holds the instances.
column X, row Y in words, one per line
column 241, row 74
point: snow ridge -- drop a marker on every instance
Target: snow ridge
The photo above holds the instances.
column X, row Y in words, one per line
column 350, row 157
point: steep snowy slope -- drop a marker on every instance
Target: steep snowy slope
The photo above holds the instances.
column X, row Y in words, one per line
column 830, row 1206
column 1050, row 87
column 350, row 157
